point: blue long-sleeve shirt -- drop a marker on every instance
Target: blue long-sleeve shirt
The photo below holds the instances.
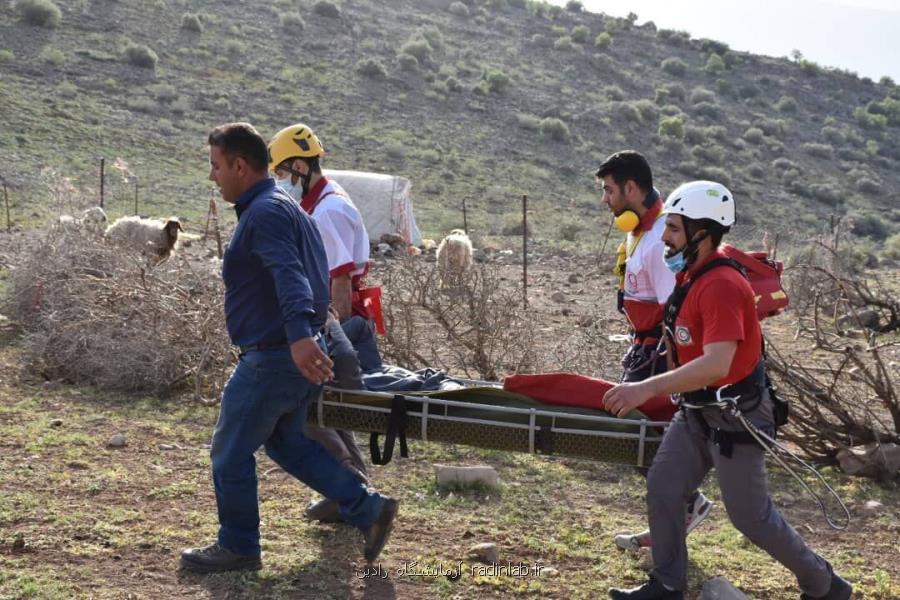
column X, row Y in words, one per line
column 275, row 270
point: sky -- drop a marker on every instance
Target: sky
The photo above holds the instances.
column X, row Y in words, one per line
column 862, row 36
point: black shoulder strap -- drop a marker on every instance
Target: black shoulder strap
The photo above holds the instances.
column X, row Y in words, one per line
column 676, row 299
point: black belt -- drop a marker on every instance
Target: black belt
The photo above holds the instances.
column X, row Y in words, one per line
column 255, row 347
column 275, row 345
column 750, row 390
column 750, row 387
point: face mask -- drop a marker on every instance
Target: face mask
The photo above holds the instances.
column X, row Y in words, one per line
column 676, row 263
column 294, row 191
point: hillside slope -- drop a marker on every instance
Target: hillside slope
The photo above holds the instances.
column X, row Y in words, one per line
column 503, row 97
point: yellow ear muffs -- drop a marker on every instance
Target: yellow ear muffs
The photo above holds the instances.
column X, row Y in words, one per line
column 627, row 221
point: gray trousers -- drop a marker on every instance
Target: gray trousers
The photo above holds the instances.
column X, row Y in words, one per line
column 684, row 458
column 347, row 375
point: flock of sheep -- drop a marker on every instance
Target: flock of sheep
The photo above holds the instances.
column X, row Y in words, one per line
column 157, row 238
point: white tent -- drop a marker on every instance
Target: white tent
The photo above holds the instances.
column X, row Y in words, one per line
column 383, row 201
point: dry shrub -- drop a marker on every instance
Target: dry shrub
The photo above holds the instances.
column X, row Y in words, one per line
column 473, row 328
column 845, row 385
column 480, row 328
column 93, row 314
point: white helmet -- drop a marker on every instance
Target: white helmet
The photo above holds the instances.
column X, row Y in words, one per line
column 702, row 200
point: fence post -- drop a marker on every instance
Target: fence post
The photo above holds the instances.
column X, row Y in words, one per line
column 102, row 179
column 136, row 212
column 525, row 250
column 465, row 218
column 214, row 210
column 6, row 202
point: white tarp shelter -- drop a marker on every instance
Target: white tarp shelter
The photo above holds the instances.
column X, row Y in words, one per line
column 383, row 201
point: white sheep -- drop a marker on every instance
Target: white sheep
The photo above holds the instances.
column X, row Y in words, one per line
column 454, row 257
column 92, row 219
column 154, row 237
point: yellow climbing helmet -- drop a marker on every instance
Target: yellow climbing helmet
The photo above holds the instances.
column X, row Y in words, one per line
column 295, row 141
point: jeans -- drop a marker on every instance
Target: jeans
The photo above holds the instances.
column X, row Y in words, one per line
column 361, row 333
column 265, row 403
column 340, row 444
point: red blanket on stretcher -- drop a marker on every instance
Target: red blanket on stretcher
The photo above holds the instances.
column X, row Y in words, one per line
column 569, row 389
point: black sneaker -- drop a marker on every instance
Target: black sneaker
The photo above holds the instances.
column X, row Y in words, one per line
column 652, row 590
column 214, row 559
column 376, row 536
column 840, row 590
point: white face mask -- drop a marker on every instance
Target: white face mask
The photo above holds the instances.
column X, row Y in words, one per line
column 294, row 191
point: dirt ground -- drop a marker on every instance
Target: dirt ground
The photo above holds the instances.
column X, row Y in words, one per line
column 80, row 518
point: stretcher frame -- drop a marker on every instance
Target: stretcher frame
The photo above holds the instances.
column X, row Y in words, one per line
column 550, row 429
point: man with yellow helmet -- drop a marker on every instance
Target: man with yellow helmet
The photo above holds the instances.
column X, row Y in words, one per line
column 295, row 155
column 644, row 286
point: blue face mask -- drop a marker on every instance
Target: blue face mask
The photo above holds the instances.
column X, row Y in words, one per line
column 676, row 263
column 292, row 190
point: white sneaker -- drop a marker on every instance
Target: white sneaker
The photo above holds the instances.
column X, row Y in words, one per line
column 633, row 542
column 695, row 513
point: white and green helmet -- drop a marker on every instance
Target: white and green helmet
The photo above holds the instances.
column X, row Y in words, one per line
column 702, row 200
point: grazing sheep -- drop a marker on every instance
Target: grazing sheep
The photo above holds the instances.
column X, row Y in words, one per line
column 93, row 219
column 151, row 236
column 454, row 257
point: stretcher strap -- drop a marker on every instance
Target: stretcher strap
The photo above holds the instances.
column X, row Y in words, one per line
column 396, row 427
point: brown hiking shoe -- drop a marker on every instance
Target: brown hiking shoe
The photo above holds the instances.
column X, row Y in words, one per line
column 376, row 536
column 214, row 559
column 323, row 511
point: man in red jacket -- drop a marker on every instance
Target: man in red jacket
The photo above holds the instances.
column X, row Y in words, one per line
column 715, row 342
column 645, row 285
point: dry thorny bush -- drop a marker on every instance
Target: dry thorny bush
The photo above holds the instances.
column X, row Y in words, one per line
column 845, row 390
column 94, row 314
column 478, row 328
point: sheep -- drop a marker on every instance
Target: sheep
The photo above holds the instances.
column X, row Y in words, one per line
column 454, row 257
column 92, row 219
column 154, row 237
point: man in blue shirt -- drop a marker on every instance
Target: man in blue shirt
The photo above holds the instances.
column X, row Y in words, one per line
column 276, row 302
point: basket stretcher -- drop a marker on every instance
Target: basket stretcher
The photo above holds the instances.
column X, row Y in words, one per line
column 490, row 418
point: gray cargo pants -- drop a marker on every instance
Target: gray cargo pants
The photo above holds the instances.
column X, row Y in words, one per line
column 684, row 458
column 347, row 375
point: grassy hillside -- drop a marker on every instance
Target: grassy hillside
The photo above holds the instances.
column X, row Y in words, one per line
column 481, row 101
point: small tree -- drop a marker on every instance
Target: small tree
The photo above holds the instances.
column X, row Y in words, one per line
column 418, row 47
column 371, row 68
column 603, row 40
column 580, row 34
column 191, row 22
column 458, row 9
column 292, row 22
column 554, row 128
column 408, row 62
column 326, row 8
column 495, row 80
column 140, row 55
column 674, row 66
column 671, row 128
column 564, row 43
column 715, row 64
column 41, row 13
